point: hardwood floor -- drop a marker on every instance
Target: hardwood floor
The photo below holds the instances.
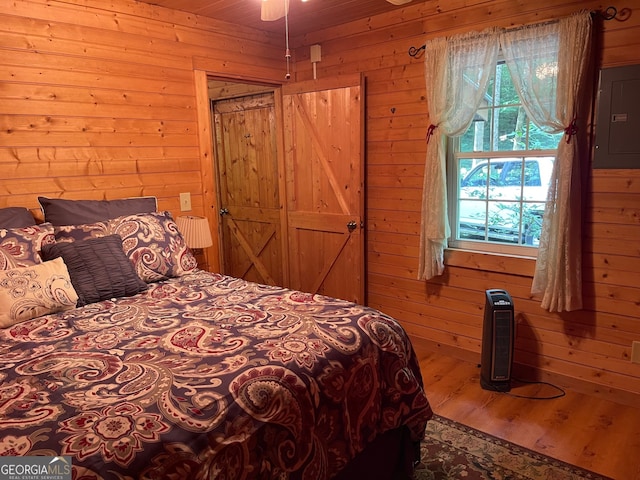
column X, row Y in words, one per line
column 583, row 430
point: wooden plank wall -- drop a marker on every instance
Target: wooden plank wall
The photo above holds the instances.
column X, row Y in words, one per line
column 587, row 350
column 99, row 99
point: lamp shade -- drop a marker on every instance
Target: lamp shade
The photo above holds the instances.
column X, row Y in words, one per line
column 195, row 231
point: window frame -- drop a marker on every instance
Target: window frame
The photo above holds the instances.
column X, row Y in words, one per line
column 453, row 182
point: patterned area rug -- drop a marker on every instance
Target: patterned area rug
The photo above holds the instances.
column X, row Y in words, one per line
column 454, row 451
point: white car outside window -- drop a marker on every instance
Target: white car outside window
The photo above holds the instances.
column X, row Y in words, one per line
column 496, row 193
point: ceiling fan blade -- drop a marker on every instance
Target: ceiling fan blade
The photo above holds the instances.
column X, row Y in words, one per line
column 398, row 2
column 273, row 9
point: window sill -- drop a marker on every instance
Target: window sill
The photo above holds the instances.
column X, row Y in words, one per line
column 490, row 262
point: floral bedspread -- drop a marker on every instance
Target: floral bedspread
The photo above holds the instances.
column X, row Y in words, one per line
column 206, row 376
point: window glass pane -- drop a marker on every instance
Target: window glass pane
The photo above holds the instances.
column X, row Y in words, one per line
column 473, row 184
column 490, row 95
column 508, row 185
column 513, row 173
column 532, row 223
column 537, row 178
column 477, row 138
column 465, row 165
column 472, row 219
column 539, row 140
column 511, row 131
column 506, row 93
column 504, row 214
column 532, row 174
column 496, row 169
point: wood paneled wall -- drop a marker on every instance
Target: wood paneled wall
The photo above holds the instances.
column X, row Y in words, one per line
column 99, row 99
column 587, row 350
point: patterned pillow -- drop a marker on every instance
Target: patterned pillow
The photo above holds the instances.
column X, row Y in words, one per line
column 29, row 292
column 98, row 268
column 152, row 242
column 20, row 247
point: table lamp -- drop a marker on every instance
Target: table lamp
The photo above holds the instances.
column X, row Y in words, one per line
column 195, row 231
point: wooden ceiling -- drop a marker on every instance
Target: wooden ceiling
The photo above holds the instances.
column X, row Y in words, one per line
column 304, row 17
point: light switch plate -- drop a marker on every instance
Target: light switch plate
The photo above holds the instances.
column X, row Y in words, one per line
column 185, row 202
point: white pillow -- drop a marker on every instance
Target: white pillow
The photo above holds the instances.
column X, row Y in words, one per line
column 29, row 292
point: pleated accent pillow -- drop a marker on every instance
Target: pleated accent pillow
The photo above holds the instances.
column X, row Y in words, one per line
column 98, row 267
column 30, row 292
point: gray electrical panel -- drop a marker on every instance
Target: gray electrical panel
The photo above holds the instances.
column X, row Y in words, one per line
column 617, row 142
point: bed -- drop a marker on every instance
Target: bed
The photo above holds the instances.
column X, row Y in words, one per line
column 165, row 371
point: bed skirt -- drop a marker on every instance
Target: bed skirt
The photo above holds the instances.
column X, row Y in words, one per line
column 392, row 456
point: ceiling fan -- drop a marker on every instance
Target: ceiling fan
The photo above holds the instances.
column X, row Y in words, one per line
column 276, row 9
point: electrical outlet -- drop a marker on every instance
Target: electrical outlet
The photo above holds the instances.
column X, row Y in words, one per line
column 185, row 202
column 635, row 352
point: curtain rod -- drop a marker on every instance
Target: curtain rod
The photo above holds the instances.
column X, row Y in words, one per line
column 609, row 14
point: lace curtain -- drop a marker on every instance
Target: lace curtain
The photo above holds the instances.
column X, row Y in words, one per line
column 547, row 63
column 457, row 70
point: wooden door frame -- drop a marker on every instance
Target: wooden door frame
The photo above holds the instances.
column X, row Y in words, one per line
column 209, row 167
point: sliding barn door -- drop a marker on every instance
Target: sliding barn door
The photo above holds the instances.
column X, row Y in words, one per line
column 248, row 188
column 323, row 137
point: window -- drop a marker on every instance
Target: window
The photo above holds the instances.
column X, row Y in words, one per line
column 499, row 172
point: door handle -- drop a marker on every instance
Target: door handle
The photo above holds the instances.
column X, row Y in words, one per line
column 351, row 226
column 224, row 211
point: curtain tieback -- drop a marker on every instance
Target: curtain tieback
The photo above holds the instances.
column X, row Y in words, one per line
column 571, row 130
column 430, row 131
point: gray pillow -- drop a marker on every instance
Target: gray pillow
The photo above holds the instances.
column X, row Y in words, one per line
column 60, row 211
column 98, row 267
column 16, row 217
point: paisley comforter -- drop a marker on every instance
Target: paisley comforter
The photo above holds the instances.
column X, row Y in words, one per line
column 206, row 376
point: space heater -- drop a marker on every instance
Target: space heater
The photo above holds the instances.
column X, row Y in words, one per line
column 498, row 335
